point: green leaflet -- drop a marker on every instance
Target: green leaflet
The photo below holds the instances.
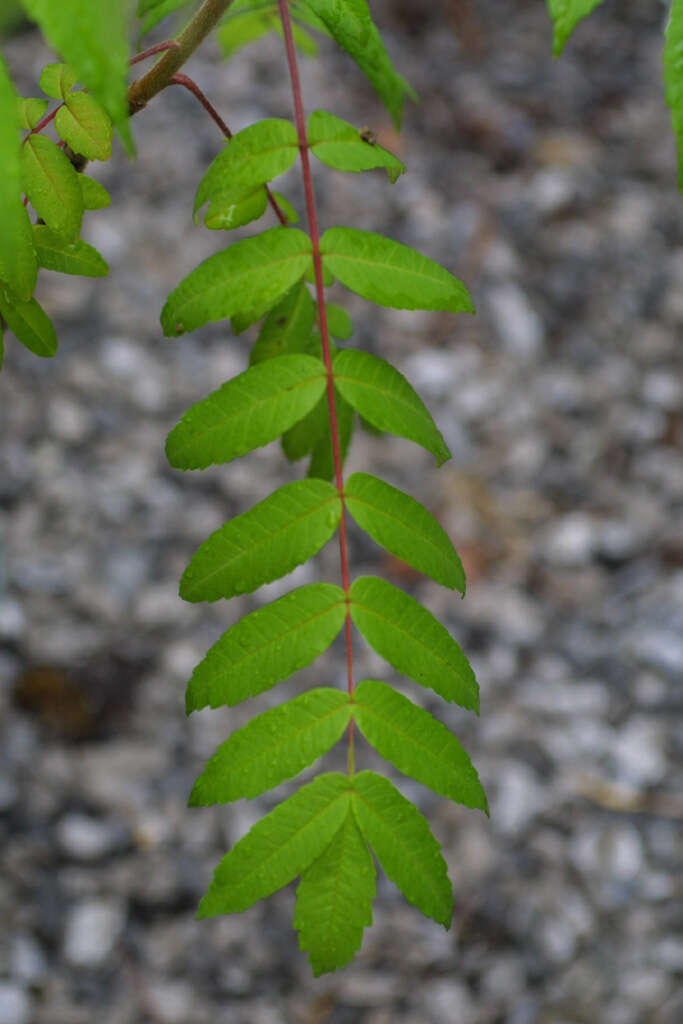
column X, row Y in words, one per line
column 84, row 125
column 227, row 211
column 248, row 275
column 18, row 264
column 30, row 324
column 51, row 184
column 279, row 847
column 157, row 11
column 673, row 77
column 350, row 24
column 56, row 80
column 240, row 30
column 404, row 844
column 405, row 528
column 322, row 456
column 338, row 321
column 384, row 397
column 287, row 328
column 566, row 15
column 334, row 900
column 265, row 543
column 301, row 439
column 416, row 743
column 93, row 40
column 254, row 156
column 273, row 747
column 286, row 207
column 268, row 646
column 55, row 253
column 30, row 112
column 338, row 144
column 391, row 274
column 95, row 195
column 412, row 640
column 248, row 411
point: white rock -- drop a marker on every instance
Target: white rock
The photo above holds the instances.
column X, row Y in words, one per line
column 15, row 1005
column 639, row 750
column 27, row 962
column 92, row 930
column 85, row 838
column 171, row 1001
column 446, row 1000
column 569, row 541
column 519, row 326
column 519, row 798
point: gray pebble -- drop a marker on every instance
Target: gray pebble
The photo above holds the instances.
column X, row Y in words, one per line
column 15, row 1005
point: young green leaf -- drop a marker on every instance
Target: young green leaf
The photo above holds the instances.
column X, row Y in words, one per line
column 18, row 264
column 287, row 328
column 404, row 844
column 391, row 274
column 95, row 195
column 286, row 207
column 29, row 323
column 384, row 397
column 233, row 210
column 673, row 77
column 412, row 640
column 334, row 900
column 250, row 274
column 157, row 11
column 339, row 322
column 241, row 29
column 322, row 456
column 56, row 80
column 268, row 646
column 51, row 184
column 265, row 543
column 273, row 747
column 350, row 24
column 279, row 847
column 93, row 40
column 248, row 411
column 566, row 15
column 301, row 439
column 84, row 125
column 416, row 743
column 55, row 253
column 30, row 112
column 341, row 146
column 405, row 528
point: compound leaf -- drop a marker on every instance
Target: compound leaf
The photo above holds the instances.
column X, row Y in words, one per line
column 248, row 411
column 265, row 543
column 51, row 184
column 566, row 15
column 384, row 397
column 268, row 646
column 412, row 640
column 404, row 844
column 338, row 144
column 405, row 528
column 391, row 274
column 95, row 195
column 279, row 847
column 85, row 126
column 273, row 747
column 416, row 743
column 250, row 274
column 334, row 900
column 288, row 326
column 351, row 26
column 55, row 253
column 93, row 40
column 29, row 323
column 18, row 264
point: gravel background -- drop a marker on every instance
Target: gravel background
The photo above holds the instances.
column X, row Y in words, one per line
column 549, row 187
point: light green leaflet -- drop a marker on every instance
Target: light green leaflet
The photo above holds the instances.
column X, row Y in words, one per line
column 391, row 274
column 265, row 543
column 248, row 411
column 249, row 275
column 95, row 195
column 30, row 112
column 384, row 397
column 350, row 24
column 228, row 211
column 322, row 456
column 404, row 844
column 279, row 847
column 57, row 80
column 673, row 77
column 286, row 207
column 412, row 640
column 273, row 747
column 18, row 264
column 55, row 253
column 156, row 10
column 51, row 184
column 268, row 646
column 338, row 321
column 92, row 37
column 566, row 15
column 416, row 743
column 83, row 124
column 334, row 899
column 240, row 30
column 254, row 156
column 338, row 144
column 288, row 326
column 405, row 528
column 30, row 324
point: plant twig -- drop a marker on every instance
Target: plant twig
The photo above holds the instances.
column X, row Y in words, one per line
column 170, row 44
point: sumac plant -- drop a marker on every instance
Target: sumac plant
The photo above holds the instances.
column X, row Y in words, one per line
column 307, row 385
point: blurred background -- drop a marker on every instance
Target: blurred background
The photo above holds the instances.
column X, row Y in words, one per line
column 550, row 188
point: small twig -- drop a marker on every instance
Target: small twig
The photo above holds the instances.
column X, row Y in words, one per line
column 43, row 123
column 170, row 44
